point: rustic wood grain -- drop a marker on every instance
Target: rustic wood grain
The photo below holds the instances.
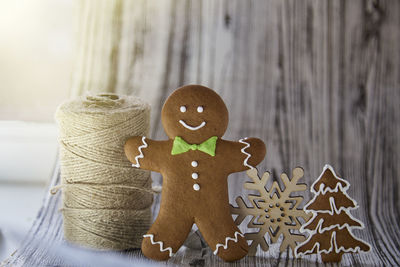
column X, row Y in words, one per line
column 319, row 81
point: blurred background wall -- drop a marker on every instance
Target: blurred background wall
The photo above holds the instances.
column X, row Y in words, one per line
column 36, row 55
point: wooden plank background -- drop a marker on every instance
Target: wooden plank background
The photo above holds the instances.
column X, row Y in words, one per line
column 318, row 81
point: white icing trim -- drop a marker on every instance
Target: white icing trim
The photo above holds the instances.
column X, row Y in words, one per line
column 335, row 190
column 332, row 203
column 243, row 150
column 333, row 210
column 192, row 128
column 227, row 240
column 140, row 156
column 161, row 245
column 357, row 249
column 324, row 229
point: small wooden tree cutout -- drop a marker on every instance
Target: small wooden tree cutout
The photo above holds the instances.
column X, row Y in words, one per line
column 331, row 224
column 274, row 212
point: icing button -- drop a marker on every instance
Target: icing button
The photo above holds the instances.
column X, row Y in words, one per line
column 195, row 175
column 196, row 187
column 194, row 163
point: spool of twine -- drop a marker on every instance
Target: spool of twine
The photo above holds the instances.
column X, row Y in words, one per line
column 106, row 202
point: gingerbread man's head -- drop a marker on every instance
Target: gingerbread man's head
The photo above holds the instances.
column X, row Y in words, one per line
column 194, row 113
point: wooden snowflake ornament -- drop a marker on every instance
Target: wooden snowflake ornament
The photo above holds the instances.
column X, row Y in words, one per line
column 274, row 212
column 331, row 224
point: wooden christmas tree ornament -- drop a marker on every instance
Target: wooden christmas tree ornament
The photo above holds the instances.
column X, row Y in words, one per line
column 331, row 223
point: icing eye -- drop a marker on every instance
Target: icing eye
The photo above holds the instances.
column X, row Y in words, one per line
column 182, row 109
column 200, row 109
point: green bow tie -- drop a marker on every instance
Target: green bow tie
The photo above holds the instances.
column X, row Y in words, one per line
column 181, row 146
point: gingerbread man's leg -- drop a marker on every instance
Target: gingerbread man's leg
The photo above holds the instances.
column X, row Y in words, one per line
column 223, row 236
column 166, row 235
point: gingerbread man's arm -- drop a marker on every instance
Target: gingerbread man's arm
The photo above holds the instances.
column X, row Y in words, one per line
column 244, row 154
column 144, row 153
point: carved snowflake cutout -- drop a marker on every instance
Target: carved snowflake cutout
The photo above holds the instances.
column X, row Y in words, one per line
column 273, row 212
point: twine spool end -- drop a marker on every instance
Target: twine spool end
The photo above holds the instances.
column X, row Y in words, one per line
column 106, row 100
column 156, row 189
column 55, row 189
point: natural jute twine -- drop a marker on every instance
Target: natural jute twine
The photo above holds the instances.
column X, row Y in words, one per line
column 106, row 202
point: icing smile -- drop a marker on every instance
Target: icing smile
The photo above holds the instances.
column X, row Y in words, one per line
column 192, row 128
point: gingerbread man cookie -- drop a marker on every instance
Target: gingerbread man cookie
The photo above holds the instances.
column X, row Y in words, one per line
column 194, row 163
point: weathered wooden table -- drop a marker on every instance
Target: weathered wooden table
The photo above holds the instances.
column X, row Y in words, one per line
column 319, row 81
